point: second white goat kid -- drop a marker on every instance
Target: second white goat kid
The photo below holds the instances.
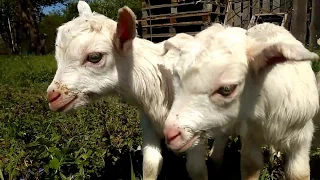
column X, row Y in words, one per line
column 261, row 79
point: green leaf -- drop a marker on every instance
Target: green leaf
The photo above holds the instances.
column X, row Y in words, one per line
column 63, row 177
column 52, row 149
column 55, row 138
column 44, row 141
column 81, row 171
column 1, row 175
column 54, row 163
column 84, row 156
column 264, row 174
column 32, row 144
column 69, row 142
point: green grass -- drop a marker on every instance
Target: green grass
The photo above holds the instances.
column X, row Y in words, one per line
column 94, row 142
column 33, row 138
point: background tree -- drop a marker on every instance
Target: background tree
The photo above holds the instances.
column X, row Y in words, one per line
column 299, row 20
column 20, row 23
column 315, row 24
column 49, row 25
column 8, row 27
column 23, row 24
column 105, row 7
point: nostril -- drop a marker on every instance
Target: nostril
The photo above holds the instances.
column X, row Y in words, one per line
column 53, row 96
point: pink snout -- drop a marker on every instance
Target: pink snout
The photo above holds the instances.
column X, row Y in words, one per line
column 173, row 136
column 53, row 96
column 58, row 100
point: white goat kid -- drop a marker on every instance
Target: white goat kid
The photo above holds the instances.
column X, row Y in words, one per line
column 254, row 79
column 96, row 56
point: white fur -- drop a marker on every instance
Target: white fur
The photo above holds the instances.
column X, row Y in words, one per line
column 138, row 69
column 272, row 104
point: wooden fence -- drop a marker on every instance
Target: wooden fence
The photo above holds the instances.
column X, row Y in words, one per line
column 162, row 19
column 241, row 11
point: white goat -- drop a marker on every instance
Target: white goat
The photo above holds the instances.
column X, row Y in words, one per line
column 260, row 80
column 96, row 56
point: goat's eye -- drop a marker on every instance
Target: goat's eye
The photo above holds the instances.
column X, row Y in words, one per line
column 94, row 57
column 226, row 90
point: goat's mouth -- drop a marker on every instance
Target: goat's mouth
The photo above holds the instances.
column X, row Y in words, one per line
column 188, row 144
column 64, row 105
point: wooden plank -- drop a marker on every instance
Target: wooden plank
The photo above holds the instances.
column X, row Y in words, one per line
column 266, row 5
column 177, row 15
column 246, row 14
column 173, row 19
column 176, row 5
column 255, row 6
column 176, row 24
column 174, row 10
column 166, row 34
column 227, row 13
column 276, row 6
column 285, row 4
column 267, row 14
column 143, row 4
column 208, row 6
column 237, row 12
column 252, row 22
column 284, row 21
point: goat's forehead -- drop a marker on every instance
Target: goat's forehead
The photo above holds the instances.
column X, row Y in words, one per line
column 203, row 59
column 81, row 31
column 225, row 45
column 95, row 23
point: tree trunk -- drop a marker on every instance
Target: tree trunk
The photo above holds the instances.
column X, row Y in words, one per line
column 299, row 20
column 7, row 29
column 315, row 24
column 25, row 10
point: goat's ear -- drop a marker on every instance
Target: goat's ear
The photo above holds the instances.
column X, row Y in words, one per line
column 263, row 54
column 83, row 8
column 126, row 29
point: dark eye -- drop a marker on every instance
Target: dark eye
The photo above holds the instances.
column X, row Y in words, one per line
column 226, row 90
column 94, row 57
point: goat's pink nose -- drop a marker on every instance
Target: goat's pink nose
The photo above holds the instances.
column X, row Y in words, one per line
column 53, row 95
column 171, row 134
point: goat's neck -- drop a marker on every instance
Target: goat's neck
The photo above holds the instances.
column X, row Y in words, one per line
column 147, row 81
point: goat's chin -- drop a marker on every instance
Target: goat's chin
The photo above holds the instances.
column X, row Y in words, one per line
column 80, row 101
column 188, row 144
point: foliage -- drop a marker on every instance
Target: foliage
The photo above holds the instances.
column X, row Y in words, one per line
column 19, row 24
column 105, row 7
column 49, row 25
column 316, row 65
column 22, row 21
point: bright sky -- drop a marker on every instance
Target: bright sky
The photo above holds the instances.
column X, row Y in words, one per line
column 48, row 9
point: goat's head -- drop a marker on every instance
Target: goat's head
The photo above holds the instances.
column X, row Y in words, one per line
column 87, row 50
column 211, row 77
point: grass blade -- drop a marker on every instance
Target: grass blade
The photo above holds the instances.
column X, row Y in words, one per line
column 1, row 175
